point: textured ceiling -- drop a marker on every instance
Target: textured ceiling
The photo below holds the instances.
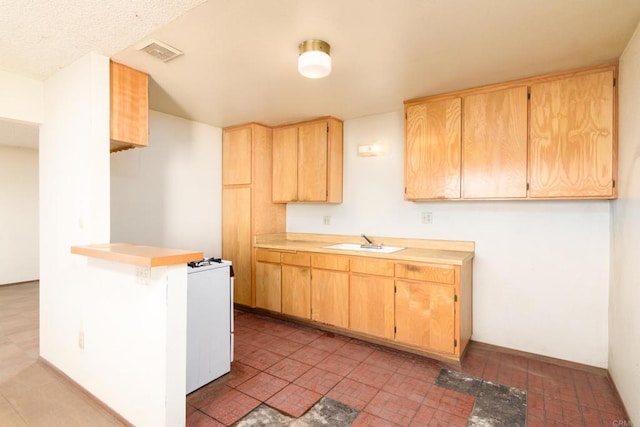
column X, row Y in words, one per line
column 239, row 61
column 38, row 37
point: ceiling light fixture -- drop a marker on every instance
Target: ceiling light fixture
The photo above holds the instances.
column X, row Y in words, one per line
column 314, row 61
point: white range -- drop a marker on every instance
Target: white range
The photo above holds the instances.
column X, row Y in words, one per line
column 209, row 321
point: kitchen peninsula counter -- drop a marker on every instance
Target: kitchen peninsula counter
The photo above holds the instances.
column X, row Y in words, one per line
column 133, row 325
column 417, row 250
column 143, row 256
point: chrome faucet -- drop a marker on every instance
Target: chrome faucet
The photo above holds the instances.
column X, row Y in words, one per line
column 369, row 244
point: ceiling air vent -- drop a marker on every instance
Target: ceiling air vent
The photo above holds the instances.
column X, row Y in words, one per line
column 160, row 50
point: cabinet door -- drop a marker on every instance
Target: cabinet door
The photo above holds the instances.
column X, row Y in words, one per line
column 330, row 297
column 285, row 164
column 236, row 238
column 432, row 150
column 371, row 305
column 268, row 286
column 571, row 139
column 494, row 144
column 129, row 105
column 425, row 315
column 296, row 291
column 236, row 156
column 312, row 162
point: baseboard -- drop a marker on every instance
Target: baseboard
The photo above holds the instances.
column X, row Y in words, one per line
column 86, row 392
column 541, row 358
column 20, row 283
column 615, row 388
column 559, row 362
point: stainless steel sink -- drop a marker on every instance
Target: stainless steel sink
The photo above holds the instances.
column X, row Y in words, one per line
column 357, row 247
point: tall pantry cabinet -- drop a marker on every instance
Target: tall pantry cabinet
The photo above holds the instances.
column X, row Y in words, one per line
column 247, row 209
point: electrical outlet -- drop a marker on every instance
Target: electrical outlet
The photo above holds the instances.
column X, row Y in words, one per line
column 142, row 275
column 81, row 340
column 326, row 220
column 426, row 217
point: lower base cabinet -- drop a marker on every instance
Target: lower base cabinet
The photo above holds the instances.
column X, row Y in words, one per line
column 296, row 291
column 268, row 286
column 330, row 297
column 425, row 315
column 410, row 305
column 371, row 305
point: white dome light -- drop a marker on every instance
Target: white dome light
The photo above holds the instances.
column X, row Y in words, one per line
column 314, row 61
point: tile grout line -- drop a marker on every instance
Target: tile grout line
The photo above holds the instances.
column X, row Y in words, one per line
column 575, row 390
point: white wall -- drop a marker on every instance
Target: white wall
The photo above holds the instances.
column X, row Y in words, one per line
column 169, row 193
column 22, row 98
column 74, row 203
column 134, row 356
column 541, row 272
column 19, row 260
column 624, row 315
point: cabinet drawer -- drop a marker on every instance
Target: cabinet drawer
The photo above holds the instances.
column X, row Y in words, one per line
column 265, row 255
column 426, row 272
column 330, row 262
column 371, row 266
column 302, row 259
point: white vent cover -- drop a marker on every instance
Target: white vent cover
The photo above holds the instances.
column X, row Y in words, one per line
column 160, row 50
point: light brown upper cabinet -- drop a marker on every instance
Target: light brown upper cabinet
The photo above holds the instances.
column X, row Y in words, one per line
column 432, row 150
column 494, row 144
column 236, row 156
column 544, row 137
column 571, row 146
column 129, row 108
column 307, row 162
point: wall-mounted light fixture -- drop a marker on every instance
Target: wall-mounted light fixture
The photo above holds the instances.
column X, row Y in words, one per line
column 314, row 61
column 369, row 150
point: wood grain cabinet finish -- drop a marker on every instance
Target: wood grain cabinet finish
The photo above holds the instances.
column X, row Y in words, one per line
column 545, row 137
column 330, row 289
column 572, row 137
column 307, row 160
column 236, row 239
column 285, row 158
column 296, row 284
column 129, row 92
column 268, row 286
column 296, row 291
column 330, row 297
column 494, row 144
column 371, row 305
column 417, row 306
column 268, row 280
column 425, row 315
column 432, row 150
column 247, row 209
column 236, row 156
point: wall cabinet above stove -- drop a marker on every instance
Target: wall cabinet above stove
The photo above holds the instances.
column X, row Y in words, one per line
column 307, row 162
column 129, row 108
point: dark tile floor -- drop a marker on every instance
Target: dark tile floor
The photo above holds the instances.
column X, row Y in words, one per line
column 287, row 374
